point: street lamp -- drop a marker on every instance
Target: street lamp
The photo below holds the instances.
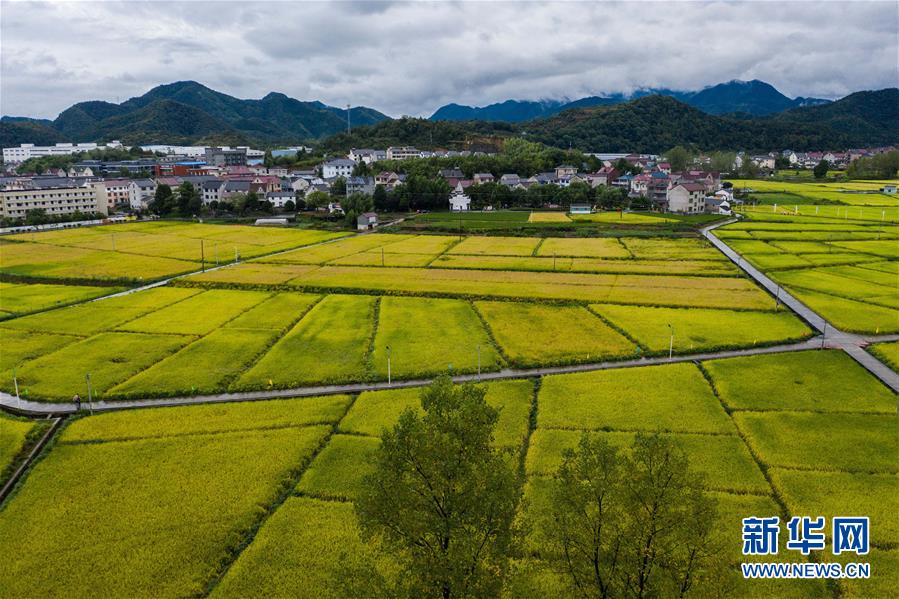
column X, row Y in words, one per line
column 671, row 342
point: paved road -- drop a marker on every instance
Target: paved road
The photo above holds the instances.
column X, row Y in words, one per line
column 39, row 408
column 833, row 338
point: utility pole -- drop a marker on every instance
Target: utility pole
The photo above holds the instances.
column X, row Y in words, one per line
column 90, row 395
column 202, row 256
column 15, row 381
column 671, row 342
column 388, row 364
column 479, row 362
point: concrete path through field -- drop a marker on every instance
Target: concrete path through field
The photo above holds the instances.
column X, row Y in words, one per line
column 833, row 338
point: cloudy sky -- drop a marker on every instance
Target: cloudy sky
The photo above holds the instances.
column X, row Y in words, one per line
column 405, row 58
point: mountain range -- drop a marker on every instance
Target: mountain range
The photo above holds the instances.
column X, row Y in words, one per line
column 755, row 98
column 655, row 124
column 187, row 112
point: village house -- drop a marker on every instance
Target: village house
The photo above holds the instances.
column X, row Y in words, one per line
column 388, row 179
column 687, row 198
column 140, row 193
column 402, row 153
column 366, row 221
column 481, row 178
column 279, row 198
column 565, row 170
column 360, row 185
column 337, row 167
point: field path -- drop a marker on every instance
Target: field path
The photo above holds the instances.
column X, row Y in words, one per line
column 833, row 338
column 27, row 407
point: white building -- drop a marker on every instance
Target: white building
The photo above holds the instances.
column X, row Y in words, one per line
column 16, row 201
column 116, row 191
column 459, row 202
column 140, row 193
column 402, row 153
column 366, row 155
column 26, row 151
column 192, row 151
column 687, row 198
column 338, row 167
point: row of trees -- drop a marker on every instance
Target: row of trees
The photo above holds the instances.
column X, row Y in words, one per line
column 516, row 156
column 43, row 164
column 441, row 501
column 880, row 166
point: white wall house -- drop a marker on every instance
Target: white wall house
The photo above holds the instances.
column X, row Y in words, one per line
column 687, row 198
column 141, row 193
column 338, row 167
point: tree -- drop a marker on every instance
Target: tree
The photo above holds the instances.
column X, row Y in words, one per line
column 189, row 201
column 723, row 162
column 267, row 160
column 635, row 524
column 678, row 157
column 317, row 199
column 820, row 170
column 338, row 187
column 354, row 205
column 162, row 200
column 380, row 198
column 441, row 499
column 251, row 204
column 361, row 170
column 290, row 206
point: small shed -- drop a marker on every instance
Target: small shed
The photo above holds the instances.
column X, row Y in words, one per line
column 366, row 221
column 271, row 222
column 580, row 209
column 888, row 189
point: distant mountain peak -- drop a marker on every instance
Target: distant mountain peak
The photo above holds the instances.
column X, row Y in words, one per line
column 753, row 97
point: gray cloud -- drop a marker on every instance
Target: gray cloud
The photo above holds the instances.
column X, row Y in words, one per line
column 410, row 58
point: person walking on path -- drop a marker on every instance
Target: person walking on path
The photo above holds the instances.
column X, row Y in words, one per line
column 77, row 401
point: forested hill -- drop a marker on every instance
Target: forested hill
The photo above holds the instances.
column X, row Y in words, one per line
column 655, row 124
column 188, row 112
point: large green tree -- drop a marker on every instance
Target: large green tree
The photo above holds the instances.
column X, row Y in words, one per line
column 634, row 523
column 441, row 500
column 678, row 157
column 354, row 205
column 162, row 202
column 820, row 170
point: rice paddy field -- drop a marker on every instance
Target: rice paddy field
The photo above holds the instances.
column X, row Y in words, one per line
column 845, row 269
column 852, row 193
column 167, row 516
column 142, row 251
column 255, row 498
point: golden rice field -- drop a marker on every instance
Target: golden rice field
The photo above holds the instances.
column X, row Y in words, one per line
column 142, row 251
column 847, row 271
column 548, row 217
column 852, row 193
column 275, row 516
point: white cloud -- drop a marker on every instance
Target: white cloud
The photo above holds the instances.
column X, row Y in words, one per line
column 411, row 58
